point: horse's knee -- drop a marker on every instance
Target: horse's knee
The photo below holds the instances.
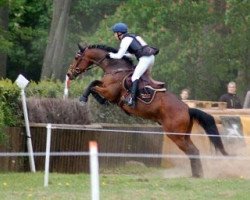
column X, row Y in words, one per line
column 192, row 150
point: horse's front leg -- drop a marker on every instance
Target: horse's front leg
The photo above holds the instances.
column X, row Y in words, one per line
column 89, row 90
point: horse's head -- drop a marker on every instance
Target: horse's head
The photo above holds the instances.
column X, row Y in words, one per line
column 81, row 63
column 95, row 54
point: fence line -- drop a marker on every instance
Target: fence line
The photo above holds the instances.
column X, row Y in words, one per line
column 117, row 131
column 127, row 155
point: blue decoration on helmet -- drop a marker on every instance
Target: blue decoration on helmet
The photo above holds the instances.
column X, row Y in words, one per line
column 120, row 27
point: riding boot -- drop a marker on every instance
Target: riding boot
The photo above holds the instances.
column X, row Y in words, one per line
column 132, row 100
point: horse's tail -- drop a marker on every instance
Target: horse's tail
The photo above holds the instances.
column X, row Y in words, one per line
column 208, row 123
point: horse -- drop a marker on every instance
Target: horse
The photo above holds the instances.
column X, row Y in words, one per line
column 166, row 108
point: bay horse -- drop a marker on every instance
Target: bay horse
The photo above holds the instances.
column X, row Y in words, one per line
column 174, row 115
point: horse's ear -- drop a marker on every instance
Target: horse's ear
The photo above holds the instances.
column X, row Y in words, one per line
column 81, row 47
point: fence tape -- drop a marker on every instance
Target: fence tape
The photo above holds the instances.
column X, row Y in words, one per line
column 127, row 155
column 148, row 132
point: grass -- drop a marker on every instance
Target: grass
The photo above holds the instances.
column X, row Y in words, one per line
column 129, row 184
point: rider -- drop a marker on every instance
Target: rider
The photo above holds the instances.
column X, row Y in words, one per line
column 134, row 45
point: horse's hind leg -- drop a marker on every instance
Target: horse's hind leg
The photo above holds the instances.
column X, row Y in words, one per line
column 187, row 146
column 195, row 161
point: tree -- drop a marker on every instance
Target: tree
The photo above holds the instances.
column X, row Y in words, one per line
column 27, row 35
column 238, row 44
column 54, row 55
column 4, row 20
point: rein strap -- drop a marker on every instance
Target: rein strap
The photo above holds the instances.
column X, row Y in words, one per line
column 118, row 71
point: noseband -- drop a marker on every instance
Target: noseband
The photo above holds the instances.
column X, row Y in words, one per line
column 77, row 71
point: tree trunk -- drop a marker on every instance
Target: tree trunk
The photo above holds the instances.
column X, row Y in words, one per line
column 243, row 78
column 55, row 51
column 4, row 20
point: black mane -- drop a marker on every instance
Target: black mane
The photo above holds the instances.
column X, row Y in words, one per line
column 109, row 49
column 103, row 47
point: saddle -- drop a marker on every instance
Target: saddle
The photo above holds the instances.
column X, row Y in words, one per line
column 147, row 87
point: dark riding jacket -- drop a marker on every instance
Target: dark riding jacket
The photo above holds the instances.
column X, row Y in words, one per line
column 232, row 100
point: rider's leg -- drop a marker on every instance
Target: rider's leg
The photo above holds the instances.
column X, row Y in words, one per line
column 131, row 101
column 144, row 63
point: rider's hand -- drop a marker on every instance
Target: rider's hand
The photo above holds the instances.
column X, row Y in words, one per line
column 107, row 56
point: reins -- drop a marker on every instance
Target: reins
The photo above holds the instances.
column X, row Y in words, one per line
column 117, row 71
column 97, row 63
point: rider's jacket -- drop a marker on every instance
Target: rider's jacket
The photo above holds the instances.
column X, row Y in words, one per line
column 134, row 45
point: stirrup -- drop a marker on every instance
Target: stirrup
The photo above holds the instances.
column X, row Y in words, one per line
column 130, row 102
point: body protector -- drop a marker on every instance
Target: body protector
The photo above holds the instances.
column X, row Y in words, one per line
column 138, row 49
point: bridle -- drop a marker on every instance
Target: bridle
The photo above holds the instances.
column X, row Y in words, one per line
column 77, row 70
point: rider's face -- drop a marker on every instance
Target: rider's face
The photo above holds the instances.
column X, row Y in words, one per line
column 116, row 36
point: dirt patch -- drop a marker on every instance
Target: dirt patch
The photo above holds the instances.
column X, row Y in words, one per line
column 237, row 166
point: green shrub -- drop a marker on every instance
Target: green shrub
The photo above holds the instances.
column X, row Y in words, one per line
column 9, row 109
column 46, row 88
column 9, row 98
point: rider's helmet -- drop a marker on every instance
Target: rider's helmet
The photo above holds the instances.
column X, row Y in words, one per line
column 120, row 27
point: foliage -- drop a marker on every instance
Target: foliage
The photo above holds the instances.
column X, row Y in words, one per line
column 46, row 88
column 9, row 107
column 28, row 25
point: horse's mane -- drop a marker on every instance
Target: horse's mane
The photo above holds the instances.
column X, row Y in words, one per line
column 110, row 49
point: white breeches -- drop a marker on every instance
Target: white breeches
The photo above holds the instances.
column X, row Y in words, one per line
column 144, row 63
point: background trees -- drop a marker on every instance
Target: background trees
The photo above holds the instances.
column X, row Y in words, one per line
column 4, row 43
column 203, row 44
column 54, row 54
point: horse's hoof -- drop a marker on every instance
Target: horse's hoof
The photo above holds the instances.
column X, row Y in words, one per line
column 83, row 99
column 82, row 103
column 197, row 175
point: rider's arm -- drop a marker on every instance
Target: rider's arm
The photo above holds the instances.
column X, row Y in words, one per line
column 123, row 48
column 129, row 55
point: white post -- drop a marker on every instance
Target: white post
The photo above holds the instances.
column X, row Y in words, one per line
column 46, row 174
column 29, row 142
column 247, row 100
column 66, row 87
column 22, row 82
column 94, row 170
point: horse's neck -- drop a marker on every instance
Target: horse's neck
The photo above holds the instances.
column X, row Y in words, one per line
column 110, row 65
column 113, row 67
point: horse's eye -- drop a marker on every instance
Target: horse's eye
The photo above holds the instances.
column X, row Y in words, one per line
column 78, row 54
column 78, row 70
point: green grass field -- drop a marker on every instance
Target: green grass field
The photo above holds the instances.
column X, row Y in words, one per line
column 120, row 185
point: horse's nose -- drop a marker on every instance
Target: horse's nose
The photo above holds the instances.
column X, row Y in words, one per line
column 69, row 76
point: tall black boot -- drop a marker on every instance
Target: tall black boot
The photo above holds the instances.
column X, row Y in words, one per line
column 132, row 99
